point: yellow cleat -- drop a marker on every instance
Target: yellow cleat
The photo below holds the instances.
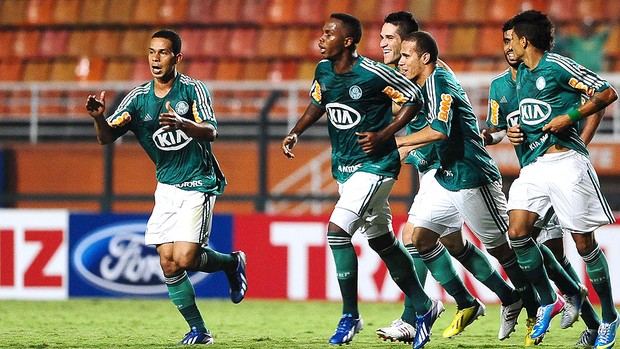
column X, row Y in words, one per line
column 463, row 318
column 531, row 321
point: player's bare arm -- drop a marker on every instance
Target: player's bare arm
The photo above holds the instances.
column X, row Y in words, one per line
column 371, row 141
column 95, row 108
column 492, row 135
column 309, row 117
column 589, row 129
column 596, row 103
column 515, row 135
column 202, row 131
column 421, row 138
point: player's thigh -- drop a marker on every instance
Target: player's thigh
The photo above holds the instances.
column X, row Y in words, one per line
column 484, row 211
column 529, row 192
column 433, row 209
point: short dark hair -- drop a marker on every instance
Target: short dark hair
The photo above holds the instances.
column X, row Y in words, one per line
column 536, row 27
column 509, row 24
column 404, row 21
column 171, row 35
column 424, row 43
column 352, row 26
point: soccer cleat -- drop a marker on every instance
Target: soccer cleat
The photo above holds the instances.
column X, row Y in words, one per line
column 237, row 279
column 572, row 308
column 606, row 335
column 544, row 315
column 508, row 319
column 398, row 330
column 195, row 337
column 347, row 328
column 587, row 338
column 424, row 324
column 530, row 322
column 463, row 318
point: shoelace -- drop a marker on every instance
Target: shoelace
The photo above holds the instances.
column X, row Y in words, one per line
column 539, row 316
column 344, row 324
column 604, row 332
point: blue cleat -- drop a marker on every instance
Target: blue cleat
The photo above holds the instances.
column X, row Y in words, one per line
column 195, row 337
column 425, row 323
column 347, row 328
column 544, row 315
column 606, row 335
column 237, row 279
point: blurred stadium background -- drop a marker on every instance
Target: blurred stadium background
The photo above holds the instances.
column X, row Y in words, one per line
column 257, row 57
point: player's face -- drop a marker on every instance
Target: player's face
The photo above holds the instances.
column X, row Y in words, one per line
column 390, row 43
column 410, row 63
column 517, row 46
column 331, row 43
column 508, row 52
column 161, row 58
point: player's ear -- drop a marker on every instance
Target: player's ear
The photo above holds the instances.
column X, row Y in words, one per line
column 348, row 41
column 178, row 58
column 426, row 58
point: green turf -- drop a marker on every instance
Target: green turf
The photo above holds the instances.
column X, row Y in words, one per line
column 137, row 323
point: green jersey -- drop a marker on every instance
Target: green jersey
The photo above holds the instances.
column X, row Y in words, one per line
column 425, row 158
column 179, row 160
column 551, row 89
column 357, row 101
column 503, row 111
column 465, row 163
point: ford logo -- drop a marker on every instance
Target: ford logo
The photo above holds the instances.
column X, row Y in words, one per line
column 115, row 258
column 168, row 140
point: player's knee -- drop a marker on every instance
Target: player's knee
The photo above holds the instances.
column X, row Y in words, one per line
column 453, row 243
column 185, row 261
column 382, row 242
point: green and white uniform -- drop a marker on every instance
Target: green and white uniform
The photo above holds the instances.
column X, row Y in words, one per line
column 467, row 187
column 567, row 181
column 185, row 168
column 357, row 101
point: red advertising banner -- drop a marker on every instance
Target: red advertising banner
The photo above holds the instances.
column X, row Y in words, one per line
column 289, row 258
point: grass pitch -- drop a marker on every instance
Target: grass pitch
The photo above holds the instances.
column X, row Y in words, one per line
column 155, row 323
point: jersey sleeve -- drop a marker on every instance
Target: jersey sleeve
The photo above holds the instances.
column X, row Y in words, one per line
column 202, row 106
column 573, row 76
column 401, row 90
column 440, row 101
column 121, row 119
column 495, row 115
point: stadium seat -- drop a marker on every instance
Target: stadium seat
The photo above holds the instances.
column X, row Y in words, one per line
column 298, row 42
column 484, row 64
column 270, row 41
column 282, row 70
column 80, row 42
column 332, row 6
column 215, row 43
column 94, row 12
column 463, row 40
column 366, row 11
column 255, row 70
column 90, row 69
column 26, row 43
column 369, row 46
column 200, row 69
column 63, row 69
column 173, row 11
column 310, row 12
column 306, row 70
column 39, row 11
column 12, row 11
column 500, row 10
column 107, row 43
column 228, row 69
column 120, row 11
column 53, row 43
column 422, row 10
column 197, row 11
column 563, row 10
column 490, row 41
column 242, row 43
column 612, row 10
column 66, row 11
column 475, row 10
column 135, row 43
column 448, row 11
column 36, row 70
column 192, row 42
column 119, row 70
column 612, row 47
column 141, row 72
column 146, row 11
column 7, row 36
column 442, row 36
column 11, row 69
column 282, row 11
column 388, row 6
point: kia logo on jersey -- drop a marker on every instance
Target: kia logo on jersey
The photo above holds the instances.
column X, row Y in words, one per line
column 342, row 116
column 168, row 140
column 534, row 111
column 115, row 259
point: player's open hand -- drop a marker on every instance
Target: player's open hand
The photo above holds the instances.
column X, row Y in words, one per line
column 94, row 106
column 369, row 141
column 170, row 120
column 514, row 134
column 287, row 145
column 558, row 124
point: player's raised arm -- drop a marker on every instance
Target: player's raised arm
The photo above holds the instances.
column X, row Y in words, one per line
column 95, row 108
column 312, row 114
column 203, row 131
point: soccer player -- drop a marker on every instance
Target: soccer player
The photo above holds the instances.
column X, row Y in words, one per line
column 503, row 112
column 173, row 120
column 556, row 170
column 357, row 94
column 396, row 25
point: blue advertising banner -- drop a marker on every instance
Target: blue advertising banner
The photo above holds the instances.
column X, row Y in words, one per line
column 108, row 258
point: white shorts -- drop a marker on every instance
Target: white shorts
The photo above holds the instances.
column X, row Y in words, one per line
column 179, row 215
column 363, row 205
column 567, row 181
column 483, row 209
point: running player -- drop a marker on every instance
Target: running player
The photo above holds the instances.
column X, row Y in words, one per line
column 397, row 25
column 173, row 121
column 357, row 94
column 556, row 170
column 503, row 112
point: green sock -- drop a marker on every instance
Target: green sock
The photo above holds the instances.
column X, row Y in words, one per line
column 479, row 266
column 420, row 267
column 598, row 271
column 212, row 261
column 439, row 263
column 182, row 294
column 346, row 270
column 400, row 266
column 531, row 261
column 557, row 274
column 522, row 285
column 588, row 314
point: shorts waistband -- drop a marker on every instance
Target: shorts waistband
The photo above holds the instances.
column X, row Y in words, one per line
column 558, row 156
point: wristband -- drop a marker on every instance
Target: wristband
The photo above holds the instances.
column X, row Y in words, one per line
column 574, row 115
